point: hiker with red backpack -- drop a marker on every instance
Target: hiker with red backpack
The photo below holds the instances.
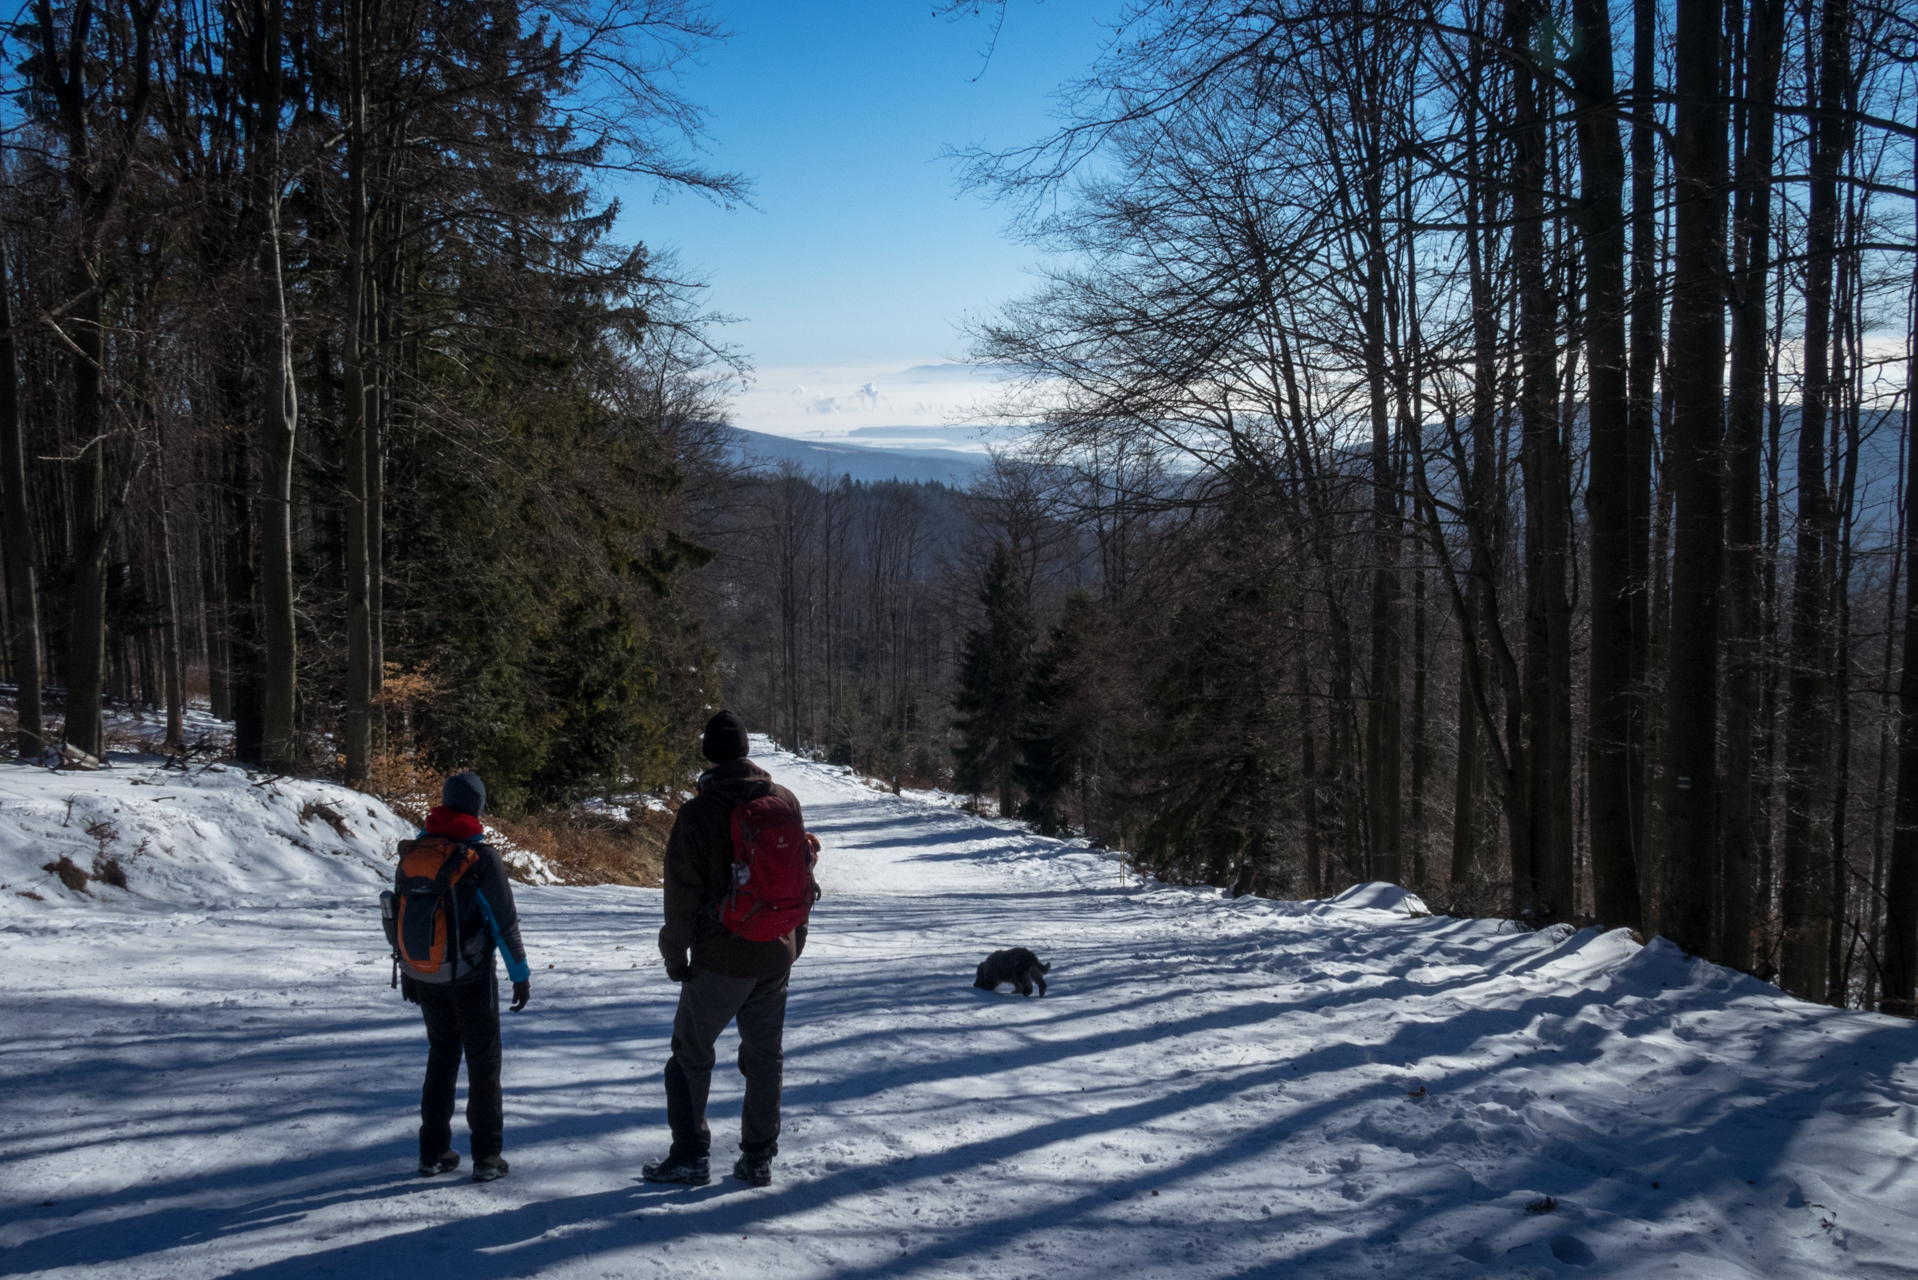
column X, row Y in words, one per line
column 450, row 907
column 739, row 886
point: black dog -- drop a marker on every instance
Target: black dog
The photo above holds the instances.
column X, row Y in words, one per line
column 1015, row 965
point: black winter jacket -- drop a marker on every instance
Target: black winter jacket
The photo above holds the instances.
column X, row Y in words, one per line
column 699, row 871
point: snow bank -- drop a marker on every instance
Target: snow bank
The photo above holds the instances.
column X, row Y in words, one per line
column 1378, row 895
column 209, row 835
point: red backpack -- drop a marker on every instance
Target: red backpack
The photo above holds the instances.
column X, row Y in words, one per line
column 773, row 888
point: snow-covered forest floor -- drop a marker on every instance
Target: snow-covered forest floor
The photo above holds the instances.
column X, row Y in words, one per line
column 206, row 1074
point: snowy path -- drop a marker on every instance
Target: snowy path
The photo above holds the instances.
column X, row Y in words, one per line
column 1212, row 1089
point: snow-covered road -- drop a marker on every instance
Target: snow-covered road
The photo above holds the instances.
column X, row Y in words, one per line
column 1212, row 1088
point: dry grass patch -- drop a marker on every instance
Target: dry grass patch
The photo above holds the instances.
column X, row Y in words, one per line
column 593, row 848
column 70, row 873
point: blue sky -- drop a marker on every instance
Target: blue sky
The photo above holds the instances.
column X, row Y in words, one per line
column 862, row 252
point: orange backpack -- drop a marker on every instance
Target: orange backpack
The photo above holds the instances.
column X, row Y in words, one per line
column 426, row 915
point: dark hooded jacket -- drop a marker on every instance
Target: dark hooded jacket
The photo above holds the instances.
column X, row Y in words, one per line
column 699, row 871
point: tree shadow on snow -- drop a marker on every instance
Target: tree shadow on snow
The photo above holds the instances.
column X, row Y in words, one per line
column 1008, row 1044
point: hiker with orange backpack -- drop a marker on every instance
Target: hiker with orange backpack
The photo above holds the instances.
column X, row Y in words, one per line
column 450, row 907
column 739, row 887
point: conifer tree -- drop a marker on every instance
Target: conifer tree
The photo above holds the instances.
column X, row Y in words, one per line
column 1220, row 780
column 1056, row 737
column 992, row 685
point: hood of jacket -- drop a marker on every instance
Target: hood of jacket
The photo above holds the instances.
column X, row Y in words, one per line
column 735, row 781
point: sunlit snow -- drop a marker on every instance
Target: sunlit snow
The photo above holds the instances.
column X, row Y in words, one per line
column 208, row 1075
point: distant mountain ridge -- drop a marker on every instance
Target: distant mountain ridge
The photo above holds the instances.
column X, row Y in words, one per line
column 835, row 458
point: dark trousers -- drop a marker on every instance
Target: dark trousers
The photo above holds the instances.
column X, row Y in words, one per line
column 707, row 1002
column 462, row 1019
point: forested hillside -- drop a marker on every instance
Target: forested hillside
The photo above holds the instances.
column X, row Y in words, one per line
column 1471, row 451
column 1536, row 381
column 327, row 391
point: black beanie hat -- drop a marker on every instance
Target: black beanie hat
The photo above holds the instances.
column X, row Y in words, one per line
column 464, row 793
column 725, row 739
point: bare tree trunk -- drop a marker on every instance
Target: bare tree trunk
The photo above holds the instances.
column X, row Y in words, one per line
column 173, row 674
column 356, row 742
column 1541, row 859
column 1339, row 735
column 1874, row 929
column 1838, row 942
column 100, row 136
column 92, row 534
column 1309, row 784
column 1806, row 883
column 1641, row 381
column 388, row 312
column 1838, row 939
column 244, row 685
column 1481, row 515
column 1610, row 497
column 1743, row 617
column 1383, row 710
column 1465, row 779
column 212, row 512
column 1421, row 732
column 1765, row 941
column 278, row 423
column 23, row 594
column 1698, row 412
column 1899, row 956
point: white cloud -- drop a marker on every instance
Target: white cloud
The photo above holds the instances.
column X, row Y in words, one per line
column 935, row 395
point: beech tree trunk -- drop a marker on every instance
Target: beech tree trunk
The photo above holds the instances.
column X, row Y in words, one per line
column 1698, row 413
column 92, row 535
column 1541, row 815
column 1646, row 322
column 219, row 688
column 1609, row 495
column 1481, row 517
column 356, row 740
column 1899, row 958
column 23, row 594
column 1309, row 784
column 245, row 689
column 1383, row 707
column 1806, row 883
column 172, row 663
column 279, row 418
column 1744, row 586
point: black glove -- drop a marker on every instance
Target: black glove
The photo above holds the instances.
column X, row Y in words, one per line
column 678, row 970
column 522, row 992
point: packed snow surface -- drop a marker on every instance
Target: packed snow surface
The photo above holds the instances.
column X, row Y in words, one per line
column 222, row 1083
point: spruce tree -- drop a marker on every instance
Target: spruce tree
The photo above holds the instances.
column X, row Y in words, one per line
column 992, row 684
column 1221, row 778
column 1055, row 741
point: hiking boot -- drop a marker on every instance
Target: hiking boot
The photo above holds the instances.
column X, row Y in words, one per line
column 444, row 1162
column 691, row 1171
column 755, row 1168
column 487, row 1168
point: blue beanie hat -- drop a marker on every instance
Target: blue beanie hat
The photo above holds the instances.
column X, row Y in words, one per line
column 464, row 793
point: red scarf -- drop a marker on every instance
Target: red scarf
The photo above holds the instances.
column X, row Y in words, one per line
column 442, row 821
